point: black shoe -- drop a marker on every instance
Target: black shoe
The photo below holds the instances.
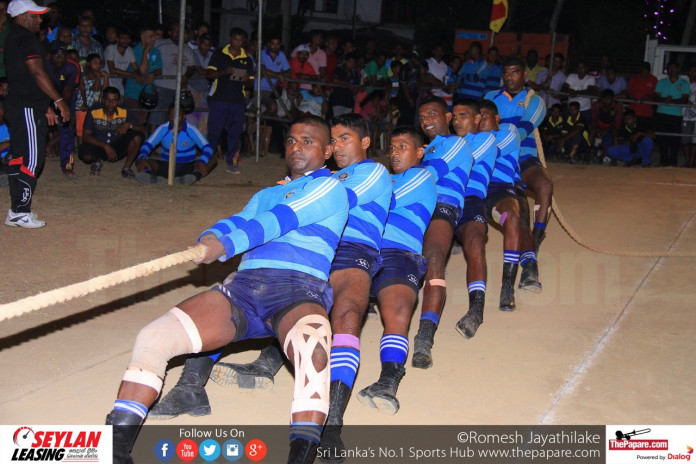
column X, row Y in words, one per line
column 333, row 449
column 529, row 279
column 302, row 451
column 188, row 395
column 422, row 344
column 125, row 430
column 507, row 291
column 257, row 375
column 381, row 395
column 470, row 322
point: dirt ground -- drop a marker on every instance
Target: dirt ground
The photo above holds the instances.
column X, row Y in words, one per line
column 609, row 340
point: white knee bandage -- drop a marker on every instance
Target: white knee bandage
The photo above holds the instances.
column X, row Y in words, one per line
column 310, row 333
column 170, row 335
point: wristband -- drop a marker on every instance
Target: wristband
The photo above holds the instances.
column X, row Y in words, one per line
column 58, row 101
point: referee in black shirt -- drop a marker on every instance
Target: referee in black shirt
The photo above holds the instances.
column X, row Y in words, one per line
column 28, row 109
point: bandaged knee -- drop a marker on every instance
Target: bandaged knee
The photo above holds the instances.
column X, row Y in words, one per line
column 437, row 283
column 497, row 217
column 170, row 335
column 309, row 334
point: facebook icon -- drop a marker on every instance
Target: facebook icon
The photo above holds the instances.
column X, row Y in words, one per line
column 164, row 450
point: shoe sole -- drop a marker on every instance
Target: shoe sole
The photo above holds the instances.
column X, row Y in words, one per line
column 531, row 287
column 465, row 331
column 195, row 413
column 366, row 399
column 15, row 224
column 227, row 377
column 386, row 405
column 421, row 363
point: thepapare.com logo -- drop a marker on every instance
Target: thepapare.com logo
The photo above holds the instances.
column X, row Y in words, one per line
column 55, row 445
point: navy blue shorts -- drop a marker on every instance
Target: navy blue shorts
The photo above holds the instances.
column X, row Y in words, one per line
column 448, row 213
column 261, row 297
column 529, row 162
column 497, row 192
column 353, row 255
column 399, row 267
column 474, row 211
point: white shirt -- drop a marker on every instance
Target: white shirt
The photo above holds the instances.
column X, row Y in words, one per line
column 170, row 56
column 120, row 62
column 575, row 83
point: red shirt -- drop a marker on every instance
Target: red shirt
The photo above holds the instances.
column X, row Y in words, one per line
column 639, row 88
column 297, row 68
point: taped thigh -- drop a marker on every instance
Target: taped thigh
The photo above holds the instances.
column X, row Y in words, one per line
column 172, row 334
column 311, row 386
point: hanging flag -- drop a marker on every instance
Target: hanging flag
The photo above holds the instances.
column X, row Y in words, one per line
column 499, row 14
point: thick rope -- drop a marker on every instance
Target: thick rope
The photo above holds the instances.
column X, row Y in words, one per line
column 576, row 237
column 60, row 295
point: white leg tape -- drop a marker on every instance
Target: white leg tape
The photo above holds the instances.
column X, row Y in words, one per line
column 437, row 283
column 311, row 386
column 172, row 334
column 536, row 208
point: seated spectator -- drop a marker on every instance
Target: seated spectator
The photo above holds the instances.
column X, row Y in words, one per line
column 377, row 74
column 342, row 99
column 189, row 167
column 313, row 102
column 574, row 141
column 641, row 87
column 551, row 130
column 634, row 142
column 613, row 81
column 607, row 116
column 92, row 84
column 111, row 134
column 580, row 86
column 300, row 68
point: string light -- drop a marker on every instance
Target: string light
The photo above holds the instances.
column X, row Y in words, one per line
column 658, row 17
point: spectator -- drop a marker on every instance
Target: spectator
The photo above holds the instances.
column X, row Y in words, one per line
column 84, row 43
column 92, row 84
column 550, row 80
column 634, row 141
column 403, row 106
column 88, row 13
column 300, row 67
column 494, row 75
column 671, row 89
column 119, row 58
column 317, row 56
column 201, row 30
column 437, row 69
column 613, row 81
column 313, row 102
column 607, row 117
column 605, row 62
column 111, row 134
column 471, row 81
column 533, row 68
column 376, row 111
column 149, row 64
column 52, row 20
column 551, row 130
column 110, row 36
column 342, row 99
column 579, row 84
column 641, row 87
column 376, row 72
column 202, row 53
column 189, row 167
column 399, row 55
column 64, row 34
column 274, row 69
column 689, row 122
column 330, row 48
column 574, row 141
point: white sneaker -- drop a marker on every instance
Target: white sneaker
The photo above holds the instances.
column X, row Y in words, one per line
column 26, row 220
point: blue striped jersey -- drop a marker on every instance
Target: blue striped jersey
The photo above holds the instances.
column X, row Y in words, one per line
column 485, row 151
column 412, row 205
column 493, row 78
column 513, row 111
column 369, row 193
column 471, row 79
column 507, row 165
column 293, row 226
column 188, row 139
column 449, row 159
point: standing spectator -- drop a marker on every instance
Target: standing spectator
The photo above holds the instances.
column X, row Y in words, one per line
column 578, row 84
column 231, row 69
column 119, row 57
column 148, row 65
column 689, row 122
column 110, row 36
column 494, row 75
column 300, row 67
column 202, row 53
column 641, row 87
column 550, row 79
column 375, row 71
column 437, row 69
column 92, row 84
column 4, row 30
column 274, row 69
column 53, row 21
column 201, row 30
column 533, row 68
column 614, row 82
column 84, row 43
column 399, row 55
column 199, row 85
column 342, row 99
column 605, row 62
column 166, row 88
column 471, row 80
column 330, row 48
column 65, row 77
column 634, row 141
column 27, row 109
column 317, row 56
column 671, row 89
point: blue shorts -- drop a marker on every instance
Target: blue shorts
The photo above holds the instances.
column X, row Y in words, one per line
column 353, row 255
column 529, row 162
column 261, row 297
column 474, row 211
column 497, row 192
column 448, row 213
column 399, row 267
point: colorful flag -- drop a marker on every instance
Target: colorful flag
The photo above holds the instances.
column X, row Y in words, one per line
column 498, row 14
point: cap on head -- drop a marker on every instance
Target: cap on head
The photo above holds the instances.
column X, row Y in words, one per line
column 18, row 7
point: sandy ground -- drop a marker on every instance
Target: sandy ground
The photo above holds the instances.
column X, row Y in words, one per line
column 609, row 340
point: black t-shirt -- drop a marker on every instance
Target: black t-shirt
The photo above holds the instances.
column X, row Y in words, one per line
column 625, row 132
column 342, row 96
column 21, row 46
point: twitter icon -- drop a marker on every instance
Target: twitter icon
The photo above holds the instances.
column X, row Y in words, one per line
column 209, row 450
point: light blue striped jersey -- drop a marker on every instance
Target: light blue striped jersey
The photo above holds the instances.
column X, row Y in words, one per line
column 513, row 110
column 293, row 226
column 507, row 164
column 449, row 159
column 471, row 79
column 188, row 139
column 493, row 78
column 485, row 151
column 369, row 193
column 412, row 205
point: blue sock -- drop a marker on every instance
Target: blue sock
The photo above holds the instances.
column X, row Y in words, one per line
column 136, row 408
column 511, row 256
column 344, row 364
column 393, row 347
column 529, row 255
column 306, row 430
column 430, row 316
column 540, row 225
column 477, row 285
column 214, row 355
